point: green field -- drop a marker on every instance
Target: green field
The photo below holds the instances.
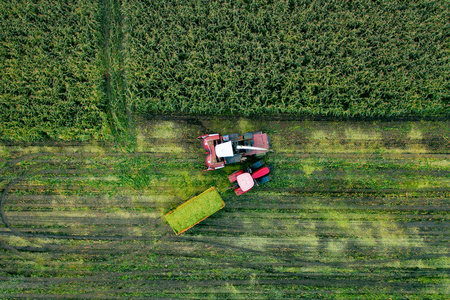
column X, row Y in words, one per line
column 333, row 58
column 50, row 75
column 100, row 106
column 355, row 210
column 84, row 70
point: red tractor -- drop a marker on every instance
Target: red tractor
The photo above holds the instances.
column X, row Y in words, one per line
column 233, row 148
column 246, row 179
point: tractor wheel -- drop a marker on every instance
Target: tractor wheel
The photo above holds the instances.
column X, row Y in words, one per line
column 264, row 179
column 257, row 165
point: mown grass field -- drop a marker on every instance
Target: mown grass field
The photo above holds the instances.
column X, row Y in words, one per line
column 355, row 210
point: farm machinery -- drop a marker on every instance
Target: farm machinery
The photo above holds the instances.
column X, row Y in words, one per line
column 244, row 180
column 223, row 150
column 233, row 148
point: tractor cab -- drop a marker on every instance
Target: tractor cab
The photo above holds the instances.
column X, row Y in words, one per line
column 228, row 153
column 245, row 180
column 225, row 149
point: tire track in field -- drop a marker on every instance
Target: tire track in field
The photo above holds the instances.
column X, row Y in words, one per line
column 166, row 248
column 9, row 165
column 120, row 236
column 22, row 177
column 114, row 83
column 160, row 239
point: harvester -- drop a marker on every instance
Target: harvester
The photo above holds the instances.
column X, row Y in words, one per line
column 233, row 148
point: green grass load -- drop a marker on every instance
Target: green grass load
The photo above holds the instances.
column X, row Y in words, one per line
column 195, row 210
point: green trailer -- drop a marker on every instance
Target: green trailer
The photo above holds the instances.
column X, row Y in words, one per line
column 195, row 210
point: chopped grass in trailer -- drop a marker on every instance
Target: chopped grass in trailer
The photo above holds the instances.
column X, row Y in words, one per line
column 195, row 210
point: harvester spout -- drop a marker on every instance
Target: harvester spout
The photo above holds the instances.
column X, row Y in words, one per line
column 251, row 148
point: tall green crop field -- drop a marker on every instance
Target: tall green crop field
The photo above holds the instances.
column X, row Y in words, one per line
column 50, row 74
column 333, row 58
column 78, row 70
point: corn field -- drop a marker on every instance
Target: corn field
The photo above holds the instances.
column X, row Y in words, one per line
column 83, row 69
column 50, row 75
column 332, row 58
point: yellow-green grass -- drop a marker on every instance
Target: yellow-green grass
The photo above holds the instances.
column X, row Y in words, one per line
column 195, row 210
